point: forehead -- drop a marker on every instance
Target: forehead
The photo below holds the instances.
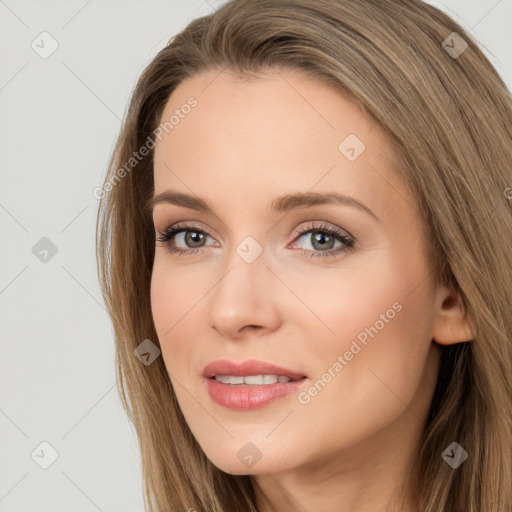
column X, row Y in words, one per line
column 273, row 108
column 270, row 134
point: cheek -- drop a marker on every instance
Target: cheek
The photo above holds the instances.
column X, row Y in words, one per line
column 175, row 293
column 378, row 318
column 173, row 305
column 382, row 329
column 342, row 303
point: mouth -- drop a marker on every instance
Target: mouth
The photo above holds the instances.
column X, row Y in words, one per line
column 250, row 372
column 243, row 393
column 250, row 384
column 254, row 380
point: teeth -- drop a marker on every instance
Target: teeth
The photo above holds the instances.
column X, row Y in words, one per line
column 252, row 380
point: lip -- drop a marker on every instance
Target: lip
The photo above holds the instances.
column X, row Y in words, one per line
column 249, row 367
column 246, row 397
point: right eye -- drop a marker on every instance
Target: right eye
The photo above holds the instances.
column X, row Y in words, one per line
column 190, row 237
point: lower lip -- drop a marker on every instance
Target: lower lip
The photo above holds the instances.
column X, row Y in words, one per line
column 250, row 397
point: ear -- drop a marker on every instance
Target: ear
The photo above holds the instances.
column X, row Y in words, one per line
column 452, row 323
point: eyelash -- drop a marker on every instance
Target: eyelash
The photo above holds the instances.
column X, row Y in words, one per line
column 349, row 243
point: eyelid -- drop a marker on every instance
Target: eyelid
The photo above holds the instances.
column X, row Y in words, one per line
column 198, row 225
column 324, row 226
column 186, row 226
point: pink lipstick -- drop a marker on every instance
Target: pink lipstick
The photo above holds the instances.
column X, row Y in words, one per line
column 250, row 384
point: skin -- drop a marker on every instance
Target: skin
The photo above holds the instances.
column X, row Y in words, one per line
column 245, row 143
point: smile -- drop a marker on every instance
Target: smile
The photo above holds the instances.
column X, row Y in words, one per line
column 252, row 380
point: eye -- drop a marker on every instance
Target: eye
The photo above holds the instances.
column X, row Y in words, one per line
column 320, row 240
column 191, row 237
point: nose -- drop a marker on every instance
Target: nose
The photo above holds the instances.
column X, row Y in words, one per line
column 245, row 300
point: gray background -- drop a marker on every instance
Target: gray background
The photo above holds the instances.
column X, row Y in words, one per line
column 59, row 120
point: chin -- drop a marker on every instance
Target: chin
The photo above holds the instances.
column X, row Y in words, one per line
column 247, row 459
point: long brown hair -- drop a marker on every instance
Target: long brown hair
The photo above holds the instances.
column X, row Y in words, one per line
column 450, row 115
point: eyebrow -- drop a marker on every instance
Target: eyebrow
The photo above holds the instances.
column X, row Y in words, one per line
column 282, row 204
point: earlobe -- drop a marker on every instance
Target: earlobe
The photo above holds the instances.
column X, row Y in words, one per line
column 453, row 323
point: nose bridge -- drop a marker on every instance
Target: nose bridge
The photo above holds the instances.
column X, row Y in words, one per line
column 246, row 265
column 243, row 281
column 243, row 295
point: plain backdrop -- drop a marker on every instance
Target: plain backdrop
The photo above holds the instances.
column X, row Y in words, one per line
column 59, row 118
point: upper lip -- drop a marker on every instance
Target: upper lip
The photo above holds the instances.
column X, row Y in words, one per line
column 249, row 367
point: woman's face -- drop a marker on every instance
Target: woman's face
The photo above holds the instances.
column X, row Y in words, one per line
column 339, row 292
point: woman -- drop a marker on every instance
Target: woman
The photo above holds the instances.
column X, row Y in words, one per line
column 304, row 244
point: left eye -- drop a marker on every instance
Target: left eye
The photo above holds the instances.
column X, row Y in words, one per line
column 320, row 240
